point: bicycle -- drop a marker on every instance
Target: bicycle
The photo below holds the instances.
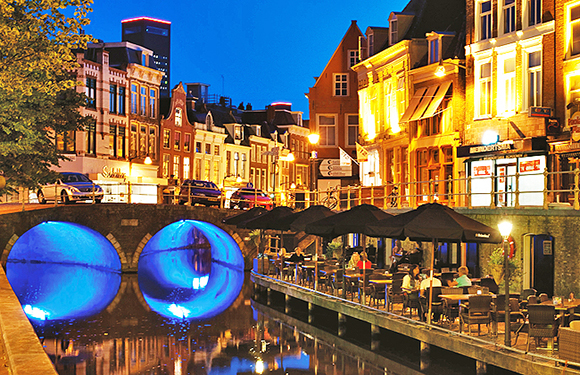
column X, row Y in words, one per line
column 393, row 197
column 330, row 201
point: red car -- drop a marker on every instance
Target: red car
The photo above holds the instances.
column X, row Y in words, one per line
column 248, row 198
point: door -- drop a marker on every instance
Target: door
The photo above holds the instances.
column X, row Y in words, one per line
column 539, row 263
column 505, row 185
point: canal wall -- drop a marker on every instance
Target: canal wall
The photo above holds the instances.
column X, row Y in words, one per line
column 482, row 352
column 24, row 352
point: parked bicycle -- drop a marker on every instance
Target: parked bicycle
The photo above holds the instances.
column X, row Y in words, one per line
column 330, row 200
column 393, row 197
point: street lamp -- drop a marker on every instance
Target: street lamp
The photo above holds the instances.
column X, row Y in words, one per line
column 505, row 228
column 147, row 161
column 441, row 71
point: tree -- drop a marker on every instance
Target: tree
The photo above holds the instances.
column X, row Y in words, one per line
column 38, row 100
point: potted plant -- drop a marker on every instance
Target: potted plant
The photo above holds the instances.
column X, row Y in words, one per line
column 496, row 268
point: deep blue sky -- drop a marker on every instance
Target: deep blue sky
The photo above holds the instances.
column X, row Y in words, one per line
column 266, row 51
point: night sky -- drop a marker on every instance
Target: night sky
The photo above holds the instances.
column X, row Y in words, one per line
column 252, row 51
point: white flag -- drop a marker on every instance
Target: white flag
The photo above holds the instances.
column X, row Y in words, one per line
column 345, row 159
column 361, row 153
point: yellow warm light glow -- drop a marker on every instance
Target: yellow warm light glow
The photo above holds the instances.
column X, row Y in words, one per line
column 505, row 228
column 148, row 160
column 293, row 186
column 290, row 157
column 259, row 366
column 238, row 179
column 440, row 71
column 313, row 138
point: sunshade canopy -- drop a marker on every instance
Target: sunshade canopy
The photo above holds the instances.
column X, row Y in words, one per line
column 351, row 221
column 298, row 220
column 434, row 221
column 244, row 216
column 265, row 220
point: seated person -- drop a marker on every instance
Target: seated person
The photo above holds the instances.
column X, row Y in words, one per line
column 427, row 282
column 354, row 259
column 463, row 279
column 298, row 256
column 412, row 280
column 364, row 262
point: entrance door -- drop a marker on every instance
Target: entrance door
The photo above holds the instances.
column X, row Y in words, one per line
column 505, row 185
column 539, row 263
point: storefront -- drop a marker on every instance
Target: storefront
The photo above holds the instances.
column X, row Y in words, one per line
column 498, row 171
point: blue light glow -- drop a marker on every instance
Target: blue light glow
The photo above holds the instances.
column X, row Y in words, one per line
column 190, row 269
column 63, row 270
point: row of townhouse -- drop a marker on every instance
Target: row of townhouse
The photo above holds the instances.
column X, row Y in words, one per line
column 142, row 139
column 455, row 96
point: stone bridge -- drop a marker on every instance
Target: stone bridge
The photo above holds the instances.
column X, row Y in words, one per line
column 127, row 226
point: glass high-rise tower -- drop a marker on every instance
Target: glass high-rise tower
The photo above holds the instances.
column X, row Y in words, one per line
column 155, row 35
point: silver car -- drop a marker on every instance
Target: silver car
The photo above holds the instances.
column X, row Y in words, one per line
column 71, row 187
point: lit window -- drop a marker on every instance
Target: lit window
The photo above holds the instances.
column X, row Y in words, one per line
column 327, row 130
column 143, row 107
column 186, row 142
column 152, row 107
column 485, row 20
column 484, row 87
column 535, row 79
column 534, row 12
column 92, row 92
column 186, row 167
column 134, row 102
column 165, row 169
column 166, row 138
column 575, row 29
column 176, row 166
column 509, row 16
column 341, row 84
column 177, row 141
column 178, row 118
column 507, row 87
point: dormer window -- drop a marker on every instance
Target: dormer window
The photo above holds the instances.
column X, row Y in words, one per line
column 238, row 134
column 434, row 51
column 394, row 32
column 371, row 44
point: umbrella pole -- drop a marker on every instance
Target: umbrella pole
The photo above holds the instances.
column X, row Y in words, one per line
column 316, row 266
column 281, row 255
column 343, row 270
column 431, row 281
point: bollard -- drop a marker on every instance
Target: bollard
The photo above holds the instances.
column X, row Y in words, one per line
column 480, row 368
column 375, row 337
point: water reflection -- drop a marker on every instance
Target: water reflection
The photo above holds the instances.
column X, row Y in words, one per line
column 191, row 270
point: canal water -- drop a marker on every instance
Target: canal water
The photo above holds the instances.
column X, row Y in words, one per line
column 188, row 310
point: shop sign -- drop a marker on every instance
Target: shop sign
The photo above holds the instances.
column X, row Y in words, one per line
column 482, row 170
column 575, row 133
column 112, row 172
column 530, row 166
column 540, row 112
column 464, row 151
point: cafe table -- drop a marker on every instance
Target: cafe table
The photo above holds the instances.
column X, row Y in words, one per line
column 386, row 283
column 567, row 306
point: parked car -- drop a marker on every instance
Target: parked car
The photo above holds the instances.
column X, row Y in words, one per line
column 245, row 198
column 69, row 188
column 200, row 192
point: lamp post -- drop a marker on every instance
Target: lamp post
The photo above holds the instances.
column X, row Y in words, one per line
column 313, row 138
column 505, row 227
column 146, row 161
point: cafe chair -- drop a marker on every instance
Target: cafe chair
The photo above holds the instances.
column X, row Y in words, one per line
column 490, row 283
column 451, row 309
column 395, row 294
column 411, row 301
column 517, row 317
column 569, row 342
column 478, row 312
column 436, row 303
column 543, row 297
column 336, row 282
column 524, row 297
column 473, row 289
column 542, row 323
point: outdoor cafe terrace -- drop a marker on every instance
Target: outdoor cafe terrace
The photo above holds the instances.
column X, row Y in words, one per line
column 542, row 328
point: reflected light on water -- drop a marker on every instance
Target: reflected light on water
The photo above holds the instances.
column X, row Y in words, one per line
column 259, row 366
column 190, row 270
column 35, row 312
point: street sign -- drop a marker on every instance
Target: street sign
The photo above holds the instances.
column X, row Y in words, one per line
column 332, row 168
column 330, row 162
column 336, row 173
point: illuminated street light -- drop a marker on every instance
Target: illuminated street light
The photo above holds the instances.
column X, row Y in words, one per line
column 505, row 228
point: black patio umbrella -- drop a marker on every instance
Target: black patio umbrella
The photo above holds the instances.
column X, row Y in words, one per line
column 297, row 221
column 434, row 222
column 351, row 221
column 244, row 216
column 265, row 220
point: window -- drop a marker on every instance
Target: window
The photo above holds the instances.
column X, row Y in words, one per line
column 509, row 16
column 134, row 102
column 113, row 98
column 197, row 174
column 177, row 141
column 352, row 123
column 166, row 138
column 92, row 139
column 133, row 145
column 485, row 20
column 152, row 151
column 341, row 84
column 535, row 79
column 394, row 34
column 507, row 86
column 113, row 140
column 143, row 106
column 208, row 148
column 244, row 163
column 207, row 170
column 152, row 107
column 198, row 147
column 92, row 92
column 228, row 163
column 186, row 167
column 534, row 12
column 484, row 87
column 65, row 142
column 178, row 119
column 216, row 150
column 371, row 44
column 121, row 96
column 236, row 165
column 433, row 51
column 401, row 104
column 253, row 154
column 326, row 129
column 353, row 58
column 165, row 169
column 575, row 29
column 176, row 166
column 216, row 170
column 143, row 144
column 121, row 142
column 186, row 142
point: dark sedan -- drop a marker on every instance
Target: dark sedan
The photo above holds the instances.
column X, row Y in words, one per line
column 200, row 192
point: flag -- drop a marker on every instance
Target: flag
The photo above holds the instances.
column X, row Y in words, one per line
column 361, row 153
column 345, row 158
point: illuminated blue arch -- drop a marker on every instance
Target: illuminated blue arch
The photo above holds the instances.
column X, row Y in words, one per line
column 191, row 269
column 63, row 270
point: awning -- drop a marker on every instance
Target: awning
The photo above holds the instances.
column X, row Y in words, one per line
column 425, row 102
